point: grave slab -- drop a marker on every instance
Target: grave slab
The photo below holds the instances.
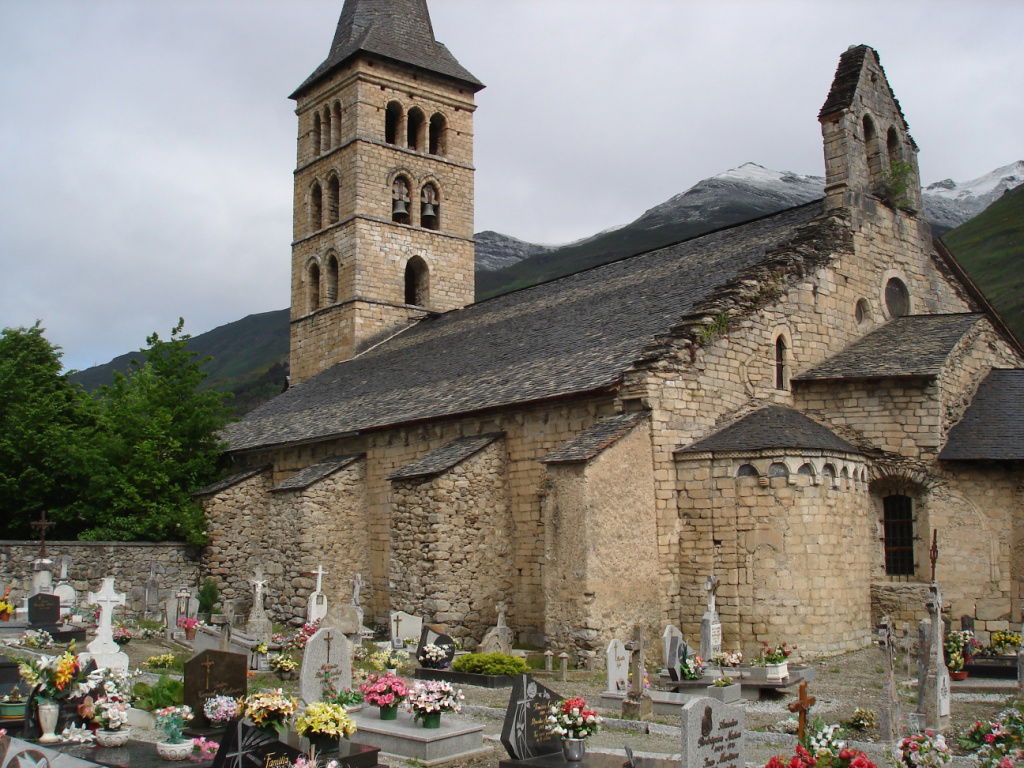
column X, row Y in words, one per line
column 464, row 678
column 712, row 734
column 456, row 739
column 590, row 760
column 662, row 702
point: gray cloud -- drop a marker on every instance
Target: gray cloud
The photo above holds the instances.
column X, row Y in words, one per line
column 148, row 144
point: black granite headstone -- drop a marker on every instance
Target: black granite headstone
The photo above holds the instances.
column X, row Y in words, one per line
column 214, row 673
column 430, row 635
column 673, row 660
column 43, row 609
column 525, row 731
column 246, row 747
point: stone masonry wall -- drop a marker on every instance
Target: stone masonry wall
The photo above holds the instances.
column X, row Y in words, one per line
column 795, row 551
column 451, row 545
column 177, row 565
column 601, row 567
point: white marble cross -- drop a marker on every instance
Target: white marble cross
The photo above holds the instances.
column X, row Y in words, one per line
column 258, row 583
column 103, row 649
column 711, row 587
column 320, row 573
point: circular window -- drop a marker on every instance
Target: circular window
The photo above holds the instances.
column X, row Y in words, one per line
column 862, row 311
column 897, row 298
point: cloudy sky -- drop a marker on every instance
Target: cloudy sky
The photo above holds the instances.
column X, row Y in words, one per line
column 147, row 145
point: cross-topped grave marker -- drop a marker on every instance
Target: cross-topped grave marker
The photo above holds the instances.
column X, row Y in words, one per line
column 933, row 553
column 888, row 726
column 42, row 525
column 103, row 650
column 316, row 607
column 936, row 690
column 637, row 705
column 258, row 626
column 802, row 706
column 710, row 624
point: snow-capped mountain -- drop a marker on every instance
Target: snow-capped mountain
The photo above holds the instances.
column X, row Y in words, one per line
column 949, row 204
column 735, row 195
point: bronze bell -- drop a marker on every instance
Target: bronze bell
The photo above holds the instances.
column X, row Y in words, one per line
column 429, row 210
column 398, row 206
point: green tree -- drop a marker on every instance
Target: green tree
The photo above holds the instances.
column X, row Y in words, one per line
column 46, row 454
column 159, row 441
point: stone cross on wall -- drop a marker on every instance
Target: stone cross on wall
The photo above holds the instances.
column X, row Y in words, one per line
column 637, row 704
column 888, row 726
column 711, row 587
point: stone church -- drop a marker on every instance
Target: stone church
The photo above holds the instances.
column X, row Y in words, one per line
column 796, row 404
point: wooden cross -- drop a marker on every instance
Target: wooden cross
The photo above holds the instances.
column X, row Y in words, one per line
column 933, row 553
column 802, row 706
column 42, row 525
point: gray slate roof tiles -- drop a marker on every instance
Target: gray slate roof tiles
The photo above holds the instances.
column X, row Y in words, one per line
column 315, row 472
column 914, row 345
column 594, row 439
column 395, row 29
column 774, row 426
column 992, row 427
column 444, row 458
column 844, row 84
column 225, row 483
column 569, row 336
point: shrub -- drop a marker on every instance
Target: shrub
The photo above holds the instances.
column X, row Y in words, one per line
column 165, row 692
column 208, row 596
column 489, row 664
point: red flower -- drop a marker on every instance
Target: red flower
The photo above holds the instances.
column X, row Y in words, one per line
column 775, row 762
column 846, row 754
column 861, row 761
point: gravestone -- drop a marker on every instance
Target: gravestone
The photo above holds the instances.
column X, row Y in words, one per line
column 712, row 734
column 42, row 576
column 524, row 732
column 214, row 673
column 403, row 625
column 179, row 606
column 103, row 650
column 344, row 617
column 9, row 676
column 617, row 664
column 151, row 593
column 671, row 631
column 43, row 610
column 316, row 605
column 258, row 624
column 327, row 647
column 673, row 658
column 637, row 704
column 710, row 624
column 244, row 746
column 890, row 717
column 937, row 693
column 498, row 638
column 67, row 594
column 433, row 634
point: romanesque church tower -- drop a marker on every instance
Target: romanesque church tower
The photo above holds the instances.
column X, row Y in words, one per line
column 383, row 206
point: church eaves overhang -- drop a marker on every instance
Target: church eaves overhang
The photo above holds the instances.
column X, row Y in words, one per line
column 992, row 427
column 772, row 427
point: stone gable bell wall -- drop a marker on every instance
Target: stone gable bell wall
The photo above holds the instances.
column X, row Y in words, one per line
column 451, row 544
column 794, row 550
column 601, row 546
column 287, row 533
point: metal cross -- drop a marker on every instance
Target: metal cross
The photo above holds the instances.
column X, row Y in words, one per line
column 933, row 553
column 208, row 664
column 327, row 639
column 802, row 706
column 42, row 525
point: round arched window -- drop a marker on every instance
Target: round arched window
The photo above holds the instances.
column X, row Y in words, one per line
column 862, row 312
column 897, row 298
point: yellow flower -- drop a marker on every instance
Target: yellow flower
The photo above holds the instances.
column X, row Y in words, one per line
column 327, row 719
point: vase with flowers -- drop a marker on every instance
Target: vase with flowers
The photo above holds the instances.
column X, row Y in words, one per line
column 284, row 666
column 106, row 701
column 220, row 710
column 324, row 724
column 385, row 692
column 270, row 710
column 429, row 698
column 571, row 720
column 188, row 624
column 122, row 635
column 171, row 721
column 6, row 609
column 54, row 679
column 774, row 659
column 959, row 645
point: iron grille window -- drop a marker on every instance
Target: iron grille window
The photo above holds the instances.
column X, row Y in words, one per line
column 899, row 535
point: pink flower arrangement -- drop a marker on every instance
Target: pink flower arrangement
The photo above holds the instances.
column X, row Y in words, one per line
column 203, row 750
column 384, row 690
column 186, row 622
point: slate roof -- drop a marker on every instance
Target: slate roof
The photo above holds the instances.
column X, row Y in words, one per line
column 844, row 84
column 311, row 474
column 568, row 336
column 444, row 458
column 914, row 345
column 992, row 427
column 395, row 29
column 594, row 439
column 227, row 482
column 774, row 426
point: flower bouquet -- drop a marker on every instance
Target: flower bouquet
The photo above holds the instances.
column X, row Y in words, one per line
column 429, row 698
column 37, row 638
column 6, row 609
column 221, row 709
column 571, row 720
column 203, row 750
column 122, row 634
column 324, row 723
column 270, row 710
column 774, row 654
column 56, row 676
column 385, row 692
column 923, row 750
column 1004, row 642
column 433, row 656
column 727, row 658
column 170, row 721
column 691, row 668
column 844, row 758
column 189, row 624
column 284, row 665
column 386, row 659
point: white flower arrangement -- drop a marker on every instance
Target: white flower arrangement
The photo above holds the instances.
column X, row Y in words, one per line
column 571, row 719
column 432, row 656
column 825, row 741
column 429, row 696
column 727, row 658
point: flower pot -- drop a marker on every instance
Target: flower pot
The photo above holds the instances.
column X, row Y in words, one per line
column 958, row 674
column 5, row 616
column 107, row 738
column 12, row 710
column 775, row 673
column 122, row 640
column 431, row 720
column 574, row 749
column 175, row 751
column 725, row 693
column 389, row 713
column 190, row 633
column 322, row 742
column 48, row 712
column 285, row 674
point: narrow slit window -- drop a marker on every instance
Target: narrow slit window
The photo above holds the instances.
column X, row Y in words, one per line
column 898, row 524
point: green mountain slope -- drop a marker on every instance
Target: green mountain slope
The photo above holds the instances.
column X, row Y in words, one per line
column 991, row 248
column 249, row 359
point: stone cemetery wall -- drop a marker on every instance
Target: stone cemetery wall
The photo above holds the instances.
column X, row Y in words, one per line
column 129, row 563
column 288, row 533
column 450, row 547
column 794, row 558
column 601, row 576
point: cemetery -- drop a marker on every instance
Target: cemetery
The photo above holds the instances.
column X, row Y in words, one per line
column 86, row 681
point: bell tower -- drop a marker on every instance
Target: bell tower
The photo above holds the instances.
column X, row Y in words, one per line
column 383, row 204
